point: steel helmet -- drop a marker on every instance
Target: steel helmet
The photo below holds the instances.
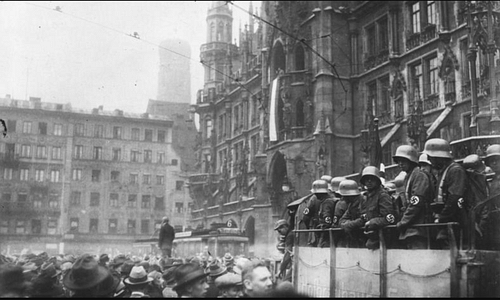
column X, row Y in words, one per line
column 437, row 148
column 336, row 182
column 328, row 179
column 280, row 223
column 319, row 186
column 424, row 159
column 473, row 162
column 408, row 152
column 370, row 171
column 493, row 150
column 348, row 187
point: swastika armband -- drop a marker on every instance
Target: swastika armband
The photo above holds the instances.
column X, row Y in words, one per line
column 461, row 203
column 306, row 211
column 335, row 219
column 390, row 218
column 414, row 200
column 328, row 220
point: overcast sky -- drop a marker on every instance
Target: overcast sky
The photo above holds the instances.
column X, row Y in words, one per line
column 84, row 55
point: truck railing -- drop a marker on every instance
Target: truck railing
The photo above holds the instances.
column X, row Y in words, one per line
column 453, row 248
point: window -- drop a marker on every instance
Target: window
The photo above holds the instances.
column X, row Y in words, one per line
column 22, row 197
column 146, row 179
column 24, row 174
column 55, row 175
column 39, row 175
column 144, row 226
column 6, row 197
column 178, row 185
column 54, row 201
column 98, row 131
column 146, row 201
column 383, row 34
column 415, row 17
column 113, row 200
column 7, row 173
column 36, row 226
column 10, row 150
column 26, row 151
column 96, row 175
column 299, row 58
column 56, row 153
column 134, row 155
column 159, row 203
column 135, row 134
column 27, row 127
column 94, row 199
column 41, row 151
column 431, row 12
column 76, row 198
column 79, row 129
column 11, row 125
column 161, row 136
column 37, row 200
column 117, row 154
column 132, row 200
column 93, row 225
column 76, row 174
column 117, row 132
column 432, row 81
column 57, row 129
column 157, row 224
column 113, row 226
column 160, row 179
column 131, row 226
column 115, row 175
column 73, row 224
column 97, row 153
column 417, row 81
column 78, row 151
column 385, row 99
column 52, row 226
column 4, row 226
column 371, row 39
column 20, row 227
column 134, row 178
column 179, row 207
column 174, row 162
column 148, row 156
column 42, row 128
column 148, row 135
column 160, row 158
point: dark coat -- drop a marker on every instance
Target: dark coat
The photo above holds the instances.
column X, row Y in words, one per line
column 167, row 236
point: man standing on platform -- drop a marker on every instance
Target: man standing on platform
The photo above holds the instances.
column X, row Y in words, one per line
column 166, row 238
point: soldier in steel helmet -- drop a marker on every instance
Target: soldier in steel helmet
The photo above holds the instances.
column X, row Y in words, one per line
column 491, row 222
column 319, row 213
column 351, row 195
column 449, row 200
column 340, row 203
column 283, row 228
column 376, row 212
column 416, row 201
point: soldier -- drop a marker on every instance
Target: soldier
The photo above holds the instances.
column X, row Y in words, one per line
column 283, row 229
column 341, row 204
column 378, row 210
column 319, row 213
column 450, row 190
column 349, row 191
column 418, row 194
column 328, row 179
column 491, row 223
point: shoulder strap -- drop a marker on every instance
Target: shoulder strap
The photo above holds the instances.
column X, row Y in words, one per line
column 441, row 182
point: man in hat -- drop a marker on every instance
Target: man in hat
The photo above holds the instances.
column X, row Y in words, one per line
column 229, row 285
column 88, row 279
column 215, row 269
column 191, row 281
column 257, row 280
column 137, row 282
column 104, row 260
column 13, row 283
column 228, row 260
column 283, row 230
column 47, row 284
column 166, row 238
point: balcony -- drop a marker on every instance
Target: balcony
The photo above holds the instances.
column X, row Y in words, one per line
column 431, row 102
column 203, row 178
column 416, row 39
column 473, row 145
column 221, row 47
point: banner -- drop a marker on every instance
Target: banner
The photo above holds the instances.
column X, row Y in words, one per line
column 273, row 133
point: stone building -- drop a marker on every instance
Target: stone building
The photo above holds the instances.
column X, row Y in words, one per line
column 79, row 181
column 314, row 85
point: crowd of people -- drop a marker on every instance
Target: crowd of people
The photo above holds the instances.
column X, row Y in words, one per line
column 128, row 276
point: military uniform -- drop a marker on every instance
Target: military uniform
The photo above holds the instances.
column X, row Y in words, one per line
column 415, row 208
column 320, row 215
column 352, row 222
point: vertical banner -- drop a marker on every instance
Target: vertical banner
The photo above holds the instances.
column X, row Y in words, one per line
column 273, row 133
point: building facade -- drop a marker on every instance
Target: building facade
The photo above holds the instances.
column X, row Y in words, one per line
column 314, row 87
column 76, row 181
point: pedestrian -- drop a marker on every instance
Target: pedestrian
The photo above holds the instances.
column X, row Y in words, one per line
column 257, row 280
column 228, row 260
column 452, row 181
column 319, row 213
column 283, row 230
column 166, row 238
column 491, row 223
column 47, row 283
column 104, row 260
column 13, row 283
column 214, row 270
column 88, row 279
column 351, row 222
column 418, row 196
column 229, row 285
column 138, row 282
column 191, row 281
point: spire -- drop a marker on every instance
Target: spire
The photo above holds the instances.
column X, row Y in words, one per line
column 250, row 17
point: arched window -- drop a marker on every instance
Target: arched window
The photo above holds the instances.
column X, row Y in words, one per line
column 212, row 32
column 278, row 60
column 208, row 127
column 299, row 58
column 299, row 113
column 220, row 32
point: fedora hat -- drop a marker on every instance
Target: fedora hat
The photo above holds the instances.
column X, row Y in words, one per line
column 187, row 273
column 138, row 275
column 228, row 259
column 85, row 273
column 215, row 269
column 48, row 270
column 229, row 279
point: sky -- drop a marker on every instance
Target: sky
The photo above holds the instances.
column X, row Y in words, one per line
column 84, row 54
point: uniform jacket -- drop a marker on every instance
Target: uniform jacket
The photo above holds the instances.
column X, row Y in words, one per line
column 452, row 188
column 310, row 217
column 378, row 208
column 415, row 209
column 340, row 209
